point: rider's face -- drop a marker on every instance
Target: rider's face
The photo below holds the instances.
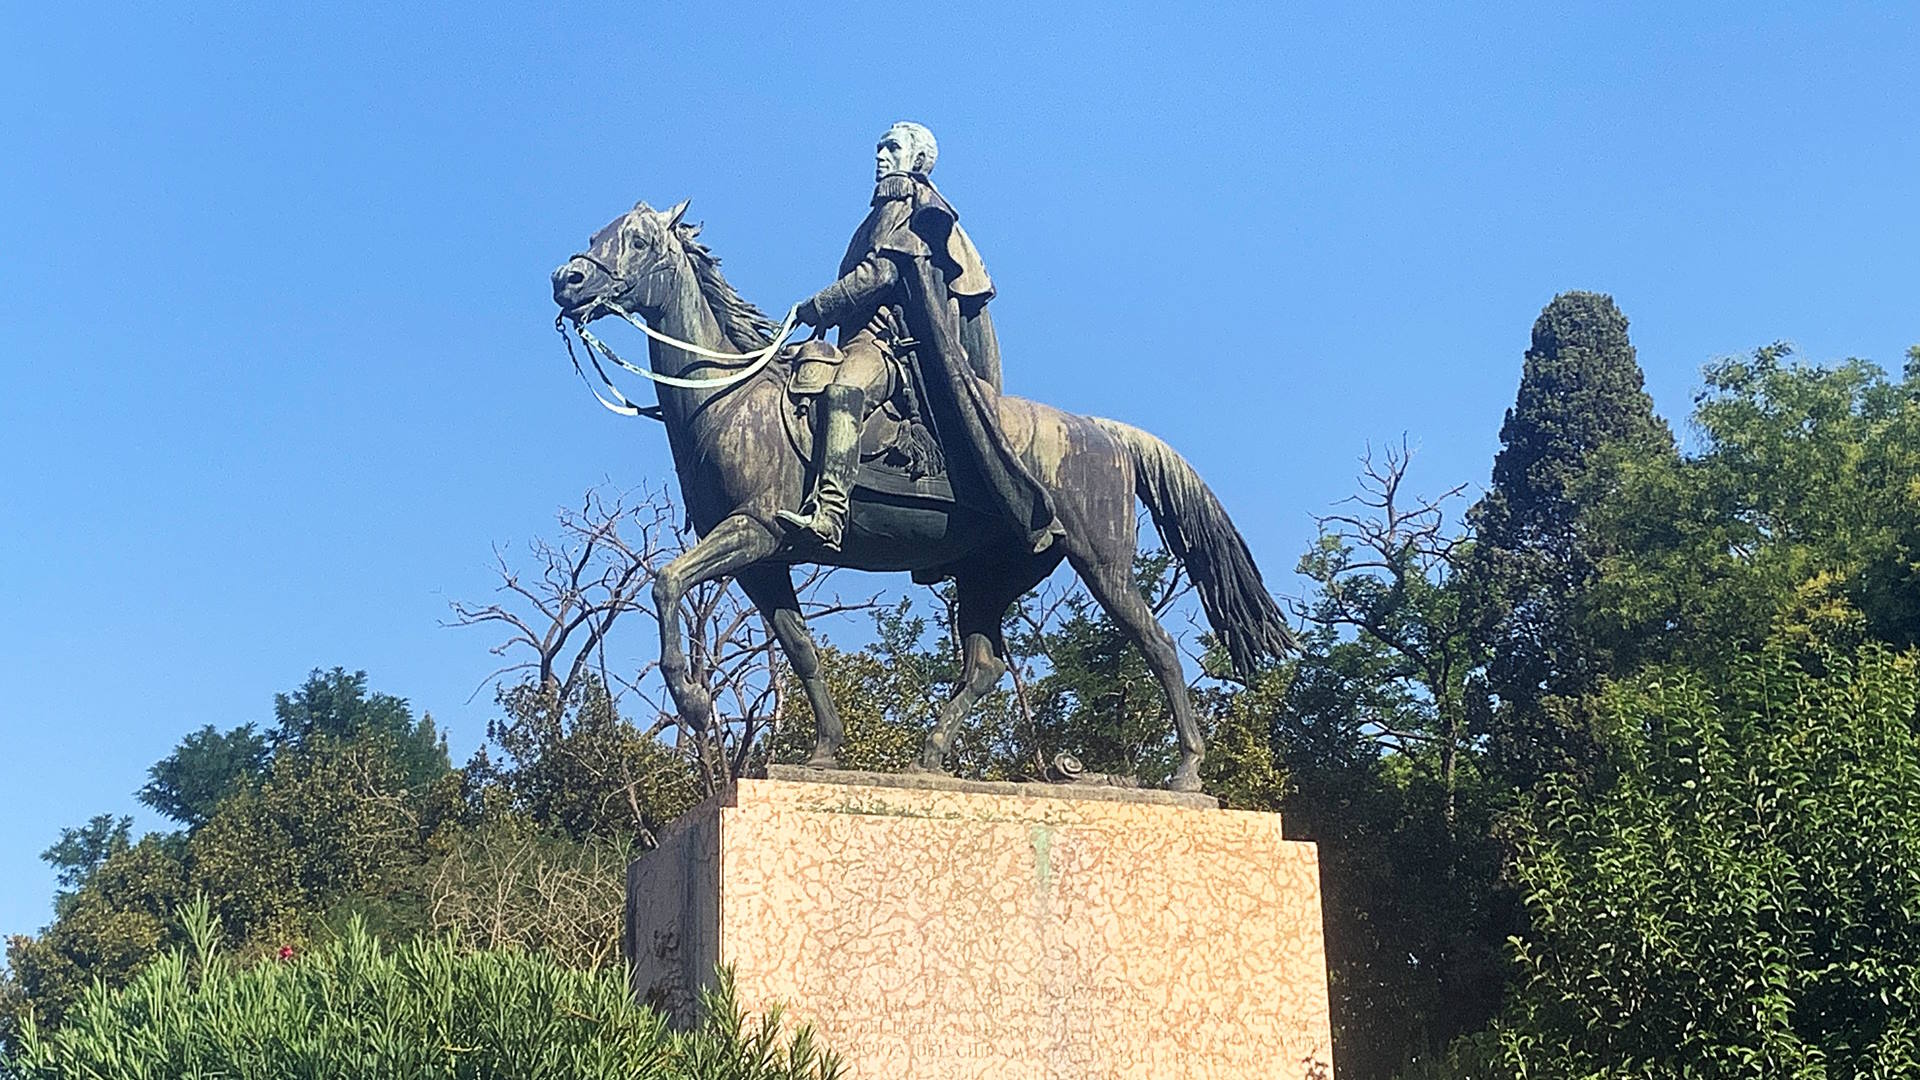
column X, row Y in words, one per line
column 892, row 156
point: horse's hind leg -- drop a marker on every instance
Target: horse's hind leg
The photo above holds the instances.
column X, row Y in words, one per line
column 1111, row 583
column 985, row 590
column 981, row 670
column 771, row 590
column 734, row 544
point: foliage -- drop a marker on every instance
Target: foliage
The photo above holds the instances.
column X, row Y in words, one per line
column 206, row 767
column 328, row 824
column 1076, row 684
column 885, row 692
column 1580, row 406
column 1742, row 902
column 339, row 819
column 1798, row 518
column 1098, row 699
column 558, row 619
column 1414, row 909
column 350, row 1007
column 1380, row 733
column 109, row 927
column 1393, row 620
column 574, row 765
column 1242, row 769
column 79, row 853
column 334, row 707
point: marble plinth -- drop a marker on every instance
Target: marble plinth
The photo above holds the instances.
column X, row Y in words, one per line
column 931, row 929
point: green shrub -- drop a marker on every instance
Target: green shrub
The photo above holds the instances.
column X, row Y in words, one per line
column 1744, row 901
column 352, row 1008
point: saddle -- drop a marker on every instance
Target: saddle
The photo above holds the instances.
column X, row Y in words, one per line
column 899, row 453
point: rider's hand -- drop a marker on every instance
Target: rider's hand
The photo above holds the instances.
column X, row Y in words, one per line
column 809, row 313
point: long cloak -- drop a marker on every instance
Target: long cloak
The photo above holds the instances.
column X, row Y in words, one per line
column 941, row 296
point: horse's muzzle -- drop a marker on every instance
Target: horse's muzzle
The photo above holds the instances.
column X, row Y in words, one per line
column 577, row 283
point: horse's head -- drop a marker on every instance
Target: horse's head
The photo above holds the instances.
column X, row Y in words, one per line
column 621, row 268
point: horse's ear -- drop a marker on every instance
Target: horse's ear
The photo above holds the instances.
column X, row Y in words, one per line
column 676, row 213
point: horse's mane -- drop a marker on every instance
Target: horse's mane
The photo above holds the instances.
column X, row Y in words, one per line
column 745, row 326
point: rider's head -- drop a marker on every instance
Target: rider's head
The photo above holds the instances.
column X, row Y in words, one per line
column 906, row 147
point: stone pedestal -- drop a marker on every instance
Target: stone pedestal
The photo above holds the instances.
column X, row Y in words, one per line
column 930, row 928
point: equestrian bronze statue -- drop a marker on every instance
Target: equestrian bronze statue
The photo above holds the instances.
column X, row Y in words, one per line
column 894, row 450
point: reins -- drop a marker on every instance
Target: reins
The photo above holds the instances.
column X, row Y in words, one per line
column 754, row 360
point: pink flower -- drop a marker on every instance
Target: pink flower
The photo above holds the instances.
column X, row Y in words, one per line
column 286, row 952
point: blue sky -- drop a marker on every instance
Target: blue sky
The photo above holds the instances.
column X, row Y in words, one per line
column 276, row 336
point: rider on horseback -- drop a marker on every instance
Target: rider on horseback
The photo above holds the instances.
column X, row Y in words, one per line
column 912, row 288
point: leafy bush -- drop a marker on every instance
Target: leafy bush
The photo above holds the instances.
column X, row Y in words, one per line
column 429, row 1009
column 1744, row 901
column 109, row 928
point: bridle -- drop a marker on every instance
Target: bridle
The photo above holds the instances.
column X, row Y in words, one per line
column 596, row 348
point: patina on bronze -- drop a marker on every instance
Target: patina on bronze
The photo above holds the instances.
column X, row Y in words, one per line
column 931, row 429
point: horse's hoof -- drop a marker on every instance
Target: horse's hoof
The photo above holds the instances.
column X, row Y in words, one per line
column 1185, row 781
column 823, row 759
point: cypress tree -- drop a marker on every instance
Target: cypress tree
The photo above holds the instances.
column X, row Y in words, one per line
column 1581, row 398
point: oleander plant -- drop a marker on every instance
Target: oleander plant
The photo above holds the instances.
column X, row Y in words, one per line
column 353, row 1007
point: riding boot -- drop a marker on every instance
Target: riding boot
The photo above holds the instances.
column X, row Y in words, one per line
column 837, row 449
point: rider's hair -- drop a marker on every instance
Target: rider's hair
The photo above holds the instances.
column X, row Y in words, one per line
column 919, row 140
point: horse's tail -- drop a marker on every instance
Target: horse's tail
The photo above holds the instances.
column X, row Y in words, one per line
column 1197, row 530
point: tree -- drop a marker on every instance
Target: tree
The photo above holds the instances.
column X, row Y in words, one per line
column 1097, row 698
column 507, row 884
column 1581, row 399
column 336, row 811
column 1391, row 575
column 1741, row 901
column 107, row 928
column 342, row 822
column 565, row 728
column 1415, row 910
column 1798, row 518
column 886, row 693
column 205, row 768
column 577, row 766
column 1375, row 731
column 1080, row 686
column 79, row 853
column 335, row 707
column 1076, row 685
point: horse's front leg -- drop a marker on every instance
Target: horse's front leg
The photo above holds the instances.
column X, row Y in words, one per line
column 737, row 542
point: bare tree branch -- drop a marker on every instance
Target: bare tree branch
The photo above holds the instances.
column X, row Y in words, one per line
column 558, row 613
column 1386, row 572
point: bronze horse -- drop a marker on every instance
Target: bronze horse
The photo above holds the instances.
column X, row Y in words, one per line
column 738, row 464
